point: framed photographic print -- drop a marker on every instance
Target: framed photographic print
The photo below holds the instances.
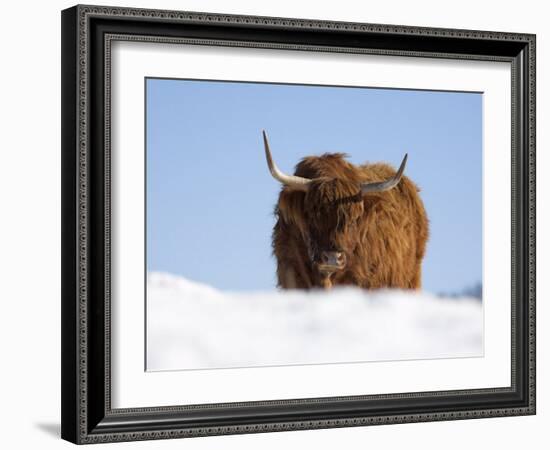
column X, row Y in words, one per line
column 277, row 224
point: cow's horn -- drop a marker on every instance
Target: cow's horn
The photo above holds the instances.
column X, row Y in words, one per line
column 288, row 180
column 385, row 185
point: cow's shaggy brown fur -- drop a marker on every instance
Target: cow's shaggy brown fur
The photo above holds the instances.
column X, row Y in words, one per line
column 383, row 234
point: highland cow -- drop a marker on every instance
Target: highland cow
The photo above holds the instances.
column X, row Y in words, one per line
column 342, row 224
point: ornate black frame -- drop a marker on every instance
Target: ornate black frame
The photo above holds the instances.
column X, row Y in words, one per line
column 87, row 416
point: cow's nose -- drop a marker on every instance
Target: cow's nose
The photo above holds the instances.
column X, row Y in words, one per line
column 333, row 258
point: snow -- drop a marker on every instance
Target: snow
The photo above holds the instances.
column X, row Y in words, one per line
column 195, row 326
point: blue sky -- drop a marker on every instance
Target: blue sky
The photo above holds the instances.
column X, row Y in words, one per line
column 210, row 197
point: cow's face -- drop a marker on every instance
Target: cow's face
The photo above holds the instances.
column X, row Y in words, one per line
column 332, row 212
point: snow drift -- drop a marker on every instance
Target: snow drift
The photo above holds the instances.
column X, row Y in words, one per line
column 194, row 326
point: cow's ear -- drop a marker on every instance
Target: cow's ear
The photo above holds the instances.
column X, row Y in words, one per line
column 303, row 188
column 290, row 207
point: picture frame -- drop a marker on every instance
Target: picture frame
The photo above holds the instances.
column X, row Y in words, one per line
column 88, row 415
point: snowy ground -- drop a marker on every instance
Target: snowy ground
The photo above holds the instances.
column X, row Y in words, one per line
column 193, row 326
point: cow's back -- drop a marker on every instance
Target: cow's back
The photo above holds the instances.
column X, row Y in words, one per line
column 394, row 233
